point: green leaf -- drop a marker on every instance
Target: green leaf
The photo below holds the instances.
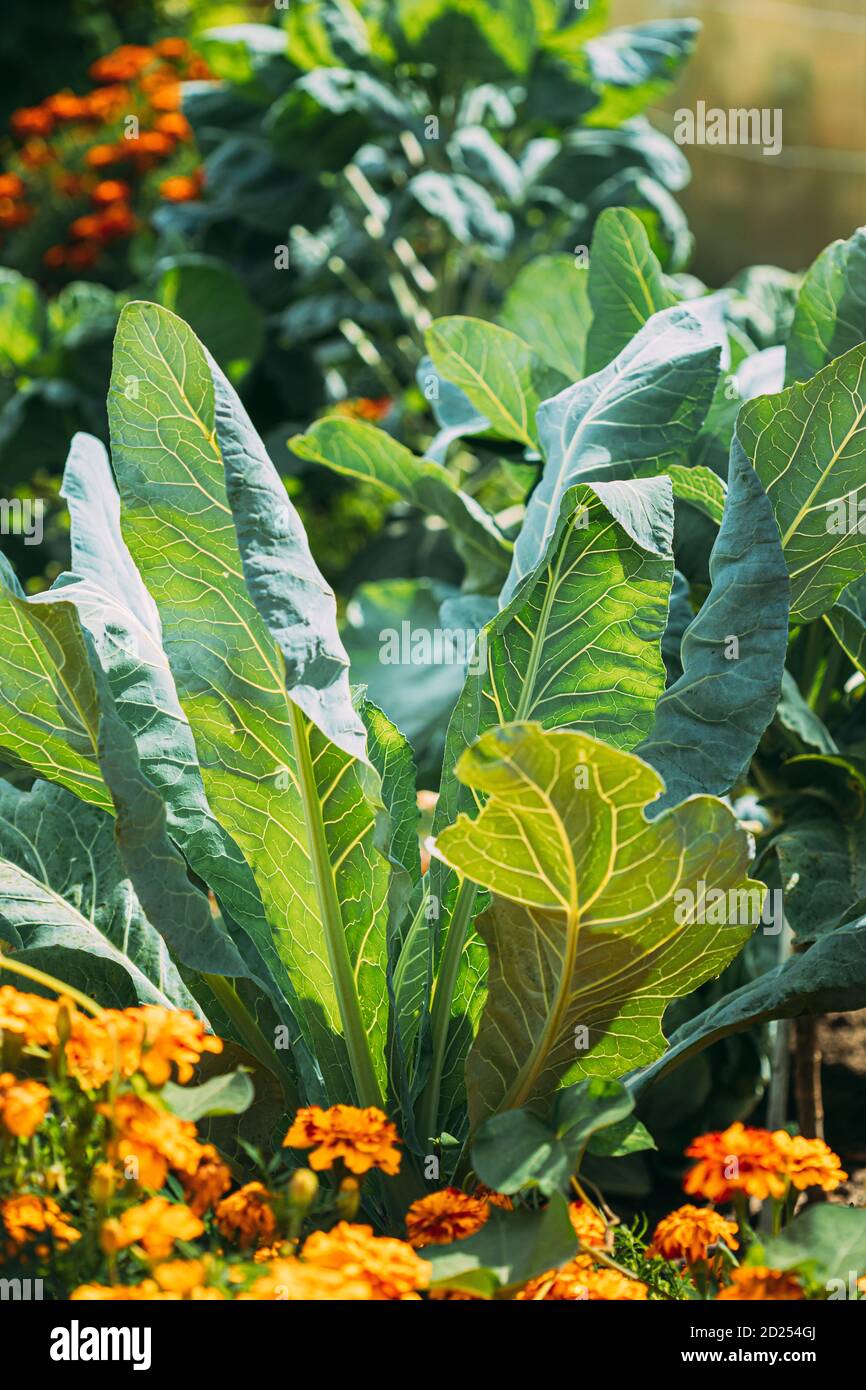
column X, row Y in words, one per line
column 628, row 1136
column 794, row 714
column 632, row 418
column 204, row 292
column 500, row 374
column 229, row 1094
column 826, row 1242
column 548, row 307
column 830, row 316
column 829, row 977
column 123, row 624
column 808, row 446
column 249, row 627
column 847, row 621
column 578, row 646
column 708, row 723
column 68, row 903
column 626, row 285
column 635, row 65
column 467, row 209
column 506, row 26
column 584, row 924
column 22, row 321
column 359, row 450
column 700, row 487
column 512, row 1246
column 822, row 867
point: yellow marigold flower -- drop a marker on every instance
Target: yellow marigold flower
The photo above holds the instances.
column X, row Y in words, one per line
column 689, row 1232
column 363, row 1139
column 808, row 1162
column 266, row 1254
column 445, row 1216
column 246, row 1216
column 155, row 1225
column 28, row 1218
column 390, row 1267
column 148, row 1140
column 291, row 1281
column 581, row 1279
column 99, row 1046
column 172, row 1037
column 588, row 1225
column 758, row 1283
column 23, row 1105
column 210, row 1181
column 734, row 1160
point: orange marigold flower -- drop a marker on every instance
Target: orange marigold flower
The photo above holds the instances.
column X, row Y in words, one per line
column 172, row 1037
column 211, row 1180
column 165, row 96
column 363, row 1139
column 11, row 186
column 109, row 191
column 54, row 257
column 66, row 106
column 174, row 125
column 70, row 185
column 23, row 1105
column 97, row 1046
column 28, row 1218
column 83, row 228
column 246, row 1216
column 14, row 214
column 171, row 48
column 372, row 408
column 808, row 1162
column 445, row 1216
column 180, row 189
column 106, row 102
column 122, row 64
column 32, row 120
column 180, row 1276
column 146, row 1292
column 151, row 142
column 689, row 1232
column 148, row 1141
column 734, row 1160
column 30, row 1016
column 758, row 1283
column 155, row 1225
column 588, row 1225
column 101, row 156
column 581, row 1280
column 390, row 1267
column 198, row 70
column 290, row 1281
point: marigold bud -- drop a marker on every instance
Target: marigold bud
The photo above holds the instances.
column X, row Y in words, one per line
column 303, row 1186
column 348, row 1199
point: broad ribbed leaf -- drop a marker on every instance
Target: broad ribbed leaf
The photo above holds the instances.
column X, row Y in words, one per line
column 707, row 725
column 633, row 417
column 700, row 487
column 123, row 622
column 808, row 445
column 507, row 26
column 829, row 977
column 577, row 647
column 847, row 621
column 830, row 317
column 68, row 906
column 249, row 628
column 626, row 285
column 548, row 307
column 499, row 372
column 60, row 655
column 584, row 927
column 359, row 450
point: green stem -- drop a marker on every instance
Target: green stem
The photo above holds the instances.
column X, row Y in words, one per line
column 360, row 1059
column 440, row 1014
column 254, row 1039
column 29, row 972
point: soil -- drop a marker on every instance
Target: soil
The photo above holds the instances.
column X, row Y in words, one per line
column 842, row 1040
